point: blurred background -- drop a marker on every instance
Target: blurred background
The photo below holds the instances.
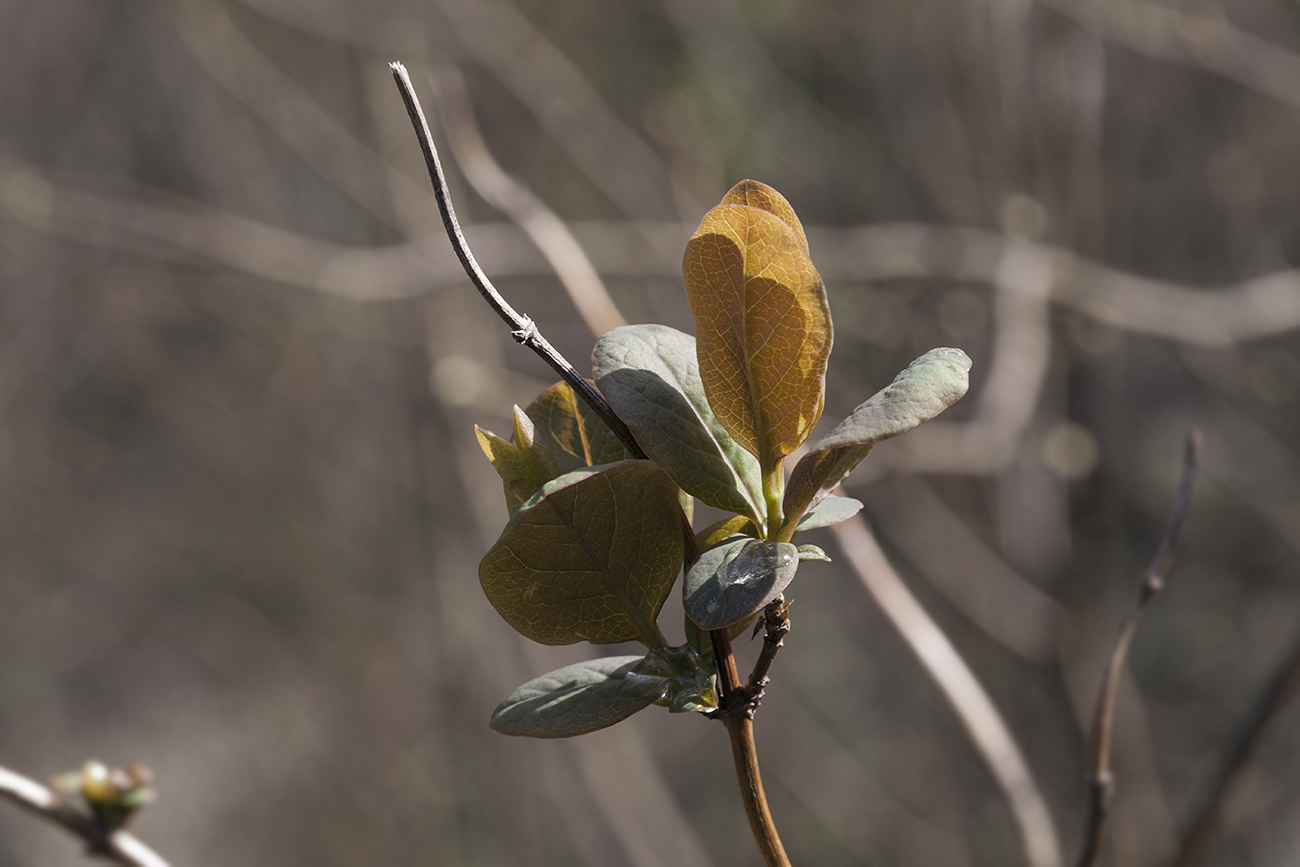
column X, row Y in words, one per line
column 241, row 504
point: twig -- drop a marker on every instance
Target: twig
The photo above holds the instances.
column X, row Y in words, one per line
column 974, row 709
column 1281, row 688
column 117, row 846
column 522, row 328
column 1101, row 782
column 776, row 626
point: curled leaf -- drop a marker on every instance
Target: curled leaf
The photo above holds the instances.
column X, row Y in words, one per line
column 737, row 579
column 927, row 387
column 591, row 557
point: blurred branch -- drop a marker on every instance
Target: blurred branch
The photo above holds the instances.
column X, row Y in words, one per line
column 114, row 845
column 522, row 328
column 564, row 102
column 1280, row 689
column 562, row 251
column 988, row 731
column 1202, row 41
column 1101, row 781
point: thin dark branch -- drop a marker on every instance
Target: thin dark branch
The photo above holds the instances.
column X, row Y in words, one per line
column 1281, row 688
column 1101, row 782
column 776, row 626
column 114, row 845
column 522, row 328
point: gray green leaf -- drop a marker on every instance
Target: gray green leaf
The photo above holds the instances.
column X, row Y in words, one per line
column 572, row 701
column 928, row 386
column 737, row 579
column 650, row 375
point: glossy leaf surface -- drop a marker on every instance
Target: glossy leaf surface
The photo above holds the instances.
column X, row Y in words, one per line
column 762, row 326
column 575, row 435
column 591, row 557
column 650, row 376
column 573, row 700
column 736, row 580
column 927, row 387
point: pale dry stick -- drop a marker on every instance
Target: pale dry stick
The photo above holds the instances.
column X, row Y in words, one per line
column 565, row 103
column 546, row 230
column 973, row 707
column 1281, row 688
column 118, row 846
column 1219, row 316
column 1101, row 781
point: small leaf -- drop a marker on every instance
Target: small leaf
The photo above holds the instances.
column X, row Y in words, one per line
column 650, row 376
column 572, row 701
column 512, row 465
column 575, row 435
column 928, row 386
column 762, row 326
column 543, row 463
column 591, row 557
column 829, row 511
column 812, row 552
column 735, row 580
column 683, row 678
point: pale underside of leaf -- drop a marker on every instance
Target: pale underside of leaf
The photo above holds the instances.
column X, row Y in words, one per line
column 650, row 375
column 572, row 701
column 927, row 387
column 592, row 557
column 762, row 325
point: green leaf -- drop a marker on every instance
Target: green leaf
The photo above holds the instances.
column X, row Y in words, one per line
column 736, row 580
column 572, row 701
column 812, row 552
column 517, row 472
column 575, row 435
column 591, row 557
column 762, row 325
column 650, row 376
column 681, row 678
column 829, row 511
column 928, row 386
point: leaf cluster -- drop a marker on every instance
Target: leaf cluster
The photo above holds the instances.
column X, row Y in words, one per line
column 597, row 537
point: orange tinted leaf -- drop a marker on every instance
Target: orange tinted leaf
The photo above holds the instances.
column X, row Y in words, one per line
column 763, row 327
column 759, row 195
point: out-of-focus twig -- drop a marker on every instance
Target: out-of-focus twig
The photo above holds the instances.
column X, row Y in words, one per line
column 1202, row 41
column 1100, row 780
column 117, row 846
column 1281, row 688
column 954, row 678
column 562, row 251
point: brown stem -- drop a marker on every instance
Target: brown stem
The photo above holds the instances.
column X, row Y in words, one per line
column 737, row 714
column 1101, row 781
